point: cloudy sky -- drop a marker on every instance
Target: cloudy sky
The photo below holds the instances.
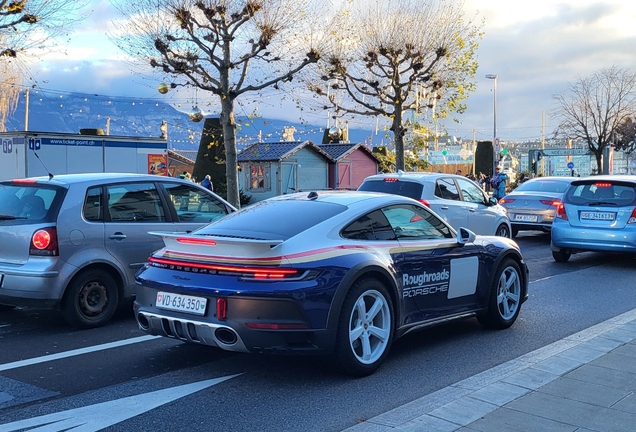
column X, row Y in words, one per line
column 536, row 48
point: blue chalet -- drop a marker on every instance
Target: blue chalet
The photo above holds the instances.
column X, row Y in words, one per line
column 271, row 169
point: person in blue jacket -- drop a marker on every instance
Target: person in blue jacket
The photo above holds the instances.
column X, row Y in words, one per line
column 498, row 183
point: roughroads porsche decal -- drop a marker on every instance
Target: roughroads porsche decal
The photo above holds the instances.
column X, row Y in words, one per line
column 457, row 281
column 425, row 283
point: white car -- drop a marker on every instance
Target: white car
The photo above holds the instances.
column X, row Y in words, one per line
column 456, row 199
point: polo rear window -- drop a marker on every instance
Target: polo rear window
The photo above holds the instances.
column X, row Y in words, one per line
column 395, row 186
column 24, row 201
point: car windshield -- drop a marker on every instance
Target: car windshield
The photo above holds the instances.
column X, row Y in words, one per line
column 393, row 186
column 556, row 186
column 30, row 202
column 601, row 193
column 273, row 220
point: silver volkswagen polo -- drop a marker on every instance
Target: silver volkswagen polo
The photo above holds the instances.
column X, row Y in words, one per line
column 75, row 241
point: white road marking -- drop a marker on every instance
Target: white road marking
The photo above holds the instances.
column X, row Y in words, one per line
column 80, row 351
column 99, row 416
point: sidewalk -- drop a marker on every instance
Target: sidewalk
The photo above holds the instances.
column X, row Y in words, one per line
column 584, row 382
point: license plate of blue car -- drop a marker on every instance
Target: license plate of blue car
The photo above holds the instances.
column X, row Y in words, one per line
column 606, row 216
column 181, row 303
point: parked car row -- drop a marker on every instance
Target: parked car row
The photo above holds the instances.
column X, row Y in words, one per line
column 581, row 214
column 329, row 272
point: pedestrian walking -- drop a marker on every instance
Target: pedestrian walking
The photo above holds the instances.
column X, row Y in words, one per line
column 207, row 183
column 498, row 183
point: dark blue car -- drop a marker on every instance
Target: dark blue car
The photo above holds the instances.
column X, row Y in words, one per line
column 333, row 273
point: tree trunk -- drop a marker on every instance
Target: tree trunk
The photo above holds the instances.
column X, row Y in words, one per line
column 229, row 141
column 599, row 162
column 398, row 135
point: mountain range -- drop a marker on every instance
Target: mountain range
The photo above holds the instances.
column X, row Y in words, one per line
column 68, row 113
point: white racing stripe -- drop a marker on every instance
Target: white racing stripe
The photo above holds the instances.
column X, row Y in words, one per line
column 80, row 351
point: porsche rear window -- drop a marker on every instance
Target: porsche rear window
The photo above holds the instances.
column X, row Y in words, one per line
column 273, row 220
column 397, row 187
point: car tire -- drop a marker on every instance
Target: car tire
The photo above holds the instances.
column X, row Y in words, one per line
column 505, row 296
column 515, row 232
column 363, row 342
column 503, row 231
column 91, row 299
column 561, row 256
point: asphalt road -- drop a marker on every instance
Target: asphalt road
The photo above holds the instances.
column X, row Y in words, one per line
column 55, row 375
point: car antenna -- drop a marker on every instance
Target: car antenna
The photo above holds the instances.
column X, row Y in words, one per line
column 45, row 168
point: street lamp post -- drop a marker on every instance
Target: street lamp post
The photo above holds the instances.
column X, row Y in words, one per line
column 494, row 136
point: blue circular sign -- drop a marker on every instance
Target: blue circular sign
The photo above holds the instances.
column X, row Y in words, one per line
column 570, row 165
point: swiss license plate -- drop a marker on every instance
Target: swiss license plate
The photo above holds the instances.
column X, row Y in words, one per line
column 526, row 218
column 181, row 303
column 606, row 216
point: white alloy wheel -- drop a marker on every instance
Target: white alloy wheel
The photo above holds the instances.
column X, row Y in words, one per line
column 370, row 327
column 508, row 293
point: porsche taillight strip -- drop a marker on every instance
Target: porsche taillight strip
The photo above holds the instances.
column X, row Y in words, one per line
column 258, row 273
column 196, row 241
column 301, row 257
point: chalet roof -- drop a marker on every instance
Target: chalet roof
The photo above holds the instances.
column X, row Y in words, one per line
column 190, row 156
column 340, row 151
column 276, row 151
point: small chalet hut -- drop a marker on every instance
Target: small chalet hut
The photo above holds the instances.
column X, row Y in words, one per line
column 352, row 164
column 271, row 169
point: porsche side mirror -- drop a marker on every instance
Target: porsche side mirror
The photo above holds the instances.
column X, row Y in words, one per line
column 464, row 235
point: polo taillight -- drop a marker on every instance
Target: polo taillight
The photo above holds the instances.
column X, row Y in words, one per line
column 44, row 242
column 632, row 218
column 560, row 213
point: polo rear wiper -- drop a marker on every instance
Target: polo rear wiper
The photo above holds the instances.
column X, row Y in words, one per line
column 9, row 217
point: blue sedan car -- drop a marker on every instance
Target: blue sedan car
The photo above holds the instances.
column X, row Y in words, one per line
column 334, row 273
column 596, row 214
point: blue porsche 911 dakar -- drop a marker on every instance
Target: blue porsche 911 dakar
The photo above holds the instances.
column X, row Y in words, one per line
column 332, row 273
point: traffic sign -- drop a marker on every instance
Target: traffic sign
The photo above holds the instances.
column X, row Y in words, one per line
column 570, row 165
column 497, row 146
column 565, row 152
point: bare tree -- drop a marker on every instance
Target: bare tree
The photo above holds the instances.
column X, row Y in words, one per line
column 595, row 107
column 402, row 55
column 626, row 138
column 226, row 47
column 10, row 78
column 28, row 24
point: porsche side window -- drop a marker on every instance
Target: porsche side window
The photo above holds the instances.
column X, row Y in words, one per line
column 372, row 226
column 445, row 188
column 471, row 192
column 414, row 223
